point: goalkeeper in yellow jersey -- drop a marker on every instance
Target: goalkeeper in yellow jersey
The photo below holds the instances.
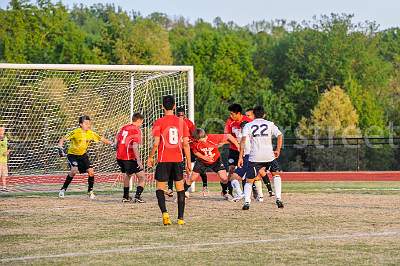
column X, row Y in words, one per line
column 78, row 160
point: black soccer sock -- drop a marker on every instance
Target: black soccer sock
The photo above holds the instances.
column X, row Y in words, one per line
column 224, row 188
column 126, row 193
column 161, row 200
column 186, row 186
column 230, row 188
column 90, row 183
column 204, row 179
column 171, row 184
column 181, row 204
column 267, row 183
column 67, row 182
column 243, row 183
column 139, row 190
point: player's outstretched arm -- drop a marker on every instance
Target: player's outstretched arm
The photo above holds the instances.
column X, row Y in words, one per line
column 186, row 149
column 106, row 141
column 203, row 157
column 233, row 140
column 135, row 147
column 150, row 160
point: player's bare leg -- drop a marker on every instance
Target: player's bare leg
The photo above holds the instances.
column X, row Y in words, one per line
column 180, row 190
column 90, row 173
column 223, row 176
column 4, row 175
column 278, row 188
column 141, row 176
column 188, row 182
column 257, row 189
column 160, row 186
column 74, row 170
column 247, row 193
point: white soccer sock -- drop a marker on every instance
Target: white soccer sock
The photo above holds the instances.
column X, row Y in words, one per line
column 277, row 186
column 236, row 187
column 247, row 192
column 259, row 189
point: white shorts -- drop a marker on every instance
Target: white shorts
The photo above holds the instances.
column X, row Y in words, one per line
column 3, row 169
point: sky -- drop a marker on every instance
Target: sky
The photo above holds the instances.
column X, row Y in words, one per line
column 385, row 12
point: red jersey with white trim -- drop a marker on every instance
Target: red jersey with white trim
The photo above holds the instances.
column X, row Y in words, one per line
column 126, row 137
column 171, row 131
column 209, row 147
column 233, row 127
column 191, row 128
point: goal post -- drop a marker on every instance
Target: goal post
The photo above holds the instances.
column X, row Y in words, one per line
column 39, row 103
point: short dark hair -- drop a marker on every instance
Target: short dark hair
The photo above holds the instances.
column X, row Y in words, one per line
column 258, row 111
column 83, row 118
column 137, row 116
column 243, row 123
column 235, row 108
column 168, row 102
column 199, row 133
column 180, row 110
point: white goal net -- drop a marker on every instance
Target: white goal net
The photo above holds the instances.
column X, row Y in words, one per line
column 41, row 103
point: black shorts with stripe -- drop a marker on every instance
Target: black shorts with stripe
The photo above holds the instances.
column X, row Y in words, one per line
column 272, row 166
column 81, row 161
column 169, row 170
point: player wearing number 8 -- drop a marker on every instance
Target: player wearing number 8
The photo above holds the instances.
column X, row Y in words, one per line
column 170, row 133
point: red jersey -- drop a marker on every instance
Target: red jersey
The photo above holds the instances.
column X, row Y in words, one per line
column 171, row 131
column 191, row 128
column 209, row 147
column 233, row 127
column 126, row 137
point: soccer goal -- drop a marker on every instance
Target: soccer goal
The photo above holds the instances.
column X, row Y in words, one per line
column 39, row 103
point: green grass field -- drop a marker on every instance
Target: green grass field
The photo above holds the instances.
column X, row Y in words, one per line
column 322, row 223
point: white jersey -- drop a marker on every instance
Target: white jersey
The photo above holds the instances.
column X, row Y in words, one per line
column 247, row 146
column 260, row 132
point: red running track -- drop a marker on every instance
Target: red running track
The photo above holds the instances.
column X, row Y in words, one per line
column 212, row 177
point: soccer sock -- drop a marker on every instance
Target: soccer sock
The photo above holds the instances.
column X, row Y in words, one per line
column 247, row 192
column 67, row 182
column 236, row 187
column 267, row 183
column 278, row 186
column 181, row 204
column 204, row 179
column 230, row 188
column 243, row 183
column 258, row 186
column 139, row 190
column 90, row 183
column 126, row 193
column 161, row 200
column 224, row 188
column 171, row 184
column 186, row 186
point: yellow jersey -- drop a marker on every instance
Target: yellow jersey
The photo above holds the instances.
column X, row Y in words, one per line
column 3, row 150
column 80, row 140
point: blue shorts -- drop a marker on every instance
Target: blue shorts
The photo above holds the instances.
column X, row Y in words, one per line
column 241, row 171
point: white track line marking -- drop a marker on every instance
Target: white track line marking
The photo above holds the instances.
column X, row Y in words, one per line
column 190, row 246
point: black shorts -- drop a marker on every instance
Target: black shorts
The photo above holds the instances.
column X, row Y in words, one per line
column 272, row 166
column 200, row 167
column 129, row 166
column 81, row 161
column 233, row 157
column 169, row 170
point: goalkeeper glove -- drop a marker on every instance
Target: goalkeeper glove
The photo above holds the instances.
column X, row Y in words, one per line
column 61, row 151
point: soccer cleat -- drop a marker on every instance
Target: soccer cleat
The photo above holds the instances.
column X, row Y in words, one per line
column 260, row 199
column 138, row 200
column 125, row 200
column 227, row 196
column 165, row 219
column 187, row 194
column 181, row 222
column 279, row 203
column 271, row 194
column 238, row 198
column 91, row 195
column 61, row 193
column 246, row 206
column 205, row 191
column 169, row 193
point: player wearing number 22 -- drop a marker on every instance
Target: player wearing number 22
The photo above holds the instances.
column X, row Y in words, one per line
column 128, row 140
column 262, row 157
column 170, row 133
